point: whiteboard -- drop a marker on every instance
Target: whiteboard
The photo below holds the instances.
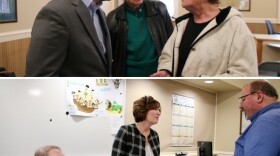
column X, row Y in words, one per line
column 33, row 114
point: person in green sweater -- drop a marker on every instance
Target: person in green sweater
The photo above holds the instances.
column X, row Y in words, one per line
column 139, row 30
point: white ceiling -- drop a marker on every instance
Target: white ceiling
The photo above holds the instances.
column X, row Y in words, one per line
column 219, row 85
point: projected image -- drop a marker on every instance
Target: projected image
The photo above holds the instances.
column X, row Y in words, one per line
column 8, row 11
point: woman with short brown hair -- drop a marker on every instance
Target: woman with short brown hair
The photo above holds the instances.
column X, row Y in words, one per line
column 139, row 138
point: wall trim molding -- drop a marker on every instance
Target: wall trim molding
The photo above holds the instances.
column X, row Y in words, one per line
column 21, row 34
column 260, row 20
column 15, row 35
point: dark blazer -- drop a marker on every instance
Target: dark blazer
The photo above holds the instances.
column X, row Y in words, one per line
column 65, row 43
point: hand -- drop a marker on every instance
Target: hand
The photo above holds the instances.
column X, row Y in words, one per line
column 161, row 73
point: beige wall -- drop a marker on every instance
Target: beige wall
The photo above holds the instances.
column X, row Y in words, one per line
column 205, row 103
column 228, row 118
column 28, row 9
column 221, row 126
column 228, row 115
column 26, row 12
column 260, row 10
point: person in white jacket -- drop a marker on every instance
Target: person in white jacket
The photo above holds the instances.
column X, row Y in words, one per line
column 209, row 41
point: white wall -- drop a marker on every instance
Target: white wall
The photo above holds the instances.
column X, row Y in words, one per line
column 29, row 121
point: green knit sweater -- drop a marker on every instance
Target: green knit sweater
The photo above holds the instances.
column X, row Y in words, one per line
column 142, row 59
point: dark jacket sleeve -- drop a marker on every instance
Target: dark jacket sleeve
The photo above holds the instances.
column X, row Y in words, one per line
column 49, row 39
column 119, row 145
column 112, row 26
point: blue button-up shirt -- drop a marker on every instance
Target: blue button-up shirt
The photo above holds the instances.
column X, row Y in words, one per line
column 262, row 137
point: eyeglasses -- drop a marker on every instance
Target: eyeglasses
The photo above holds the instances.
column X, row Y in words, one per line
column 242, row 98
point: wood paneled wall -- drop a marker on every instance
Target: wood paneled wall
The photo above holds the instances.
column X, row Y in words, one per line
column 13, row 55
column 260, row 28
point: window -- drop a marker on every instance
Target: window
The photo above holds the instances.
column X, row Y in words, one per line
column 170, row 6
column 8, row 11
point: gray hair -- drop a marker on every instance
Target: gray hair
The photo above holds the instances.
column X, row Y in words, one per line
column 44, row 151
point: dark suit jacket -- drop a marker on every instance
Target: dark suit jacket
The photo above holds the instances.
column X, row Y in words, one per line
column 65, row 43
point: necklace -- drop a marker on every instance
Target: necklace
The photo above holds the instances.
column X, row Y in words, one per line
column 144, row 133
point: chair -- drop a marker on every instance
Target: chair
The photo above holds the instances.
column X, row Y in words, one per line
column 2, row 69
column 270, row 29
column 270, row 68
column 3, row 73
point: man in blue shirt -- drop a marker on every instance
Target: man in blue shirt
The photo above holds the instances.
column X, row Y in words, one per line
column 262, row 137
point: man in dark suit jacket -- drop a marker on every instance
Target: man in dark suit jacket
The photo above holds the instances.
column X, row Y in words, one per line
column 64, row 41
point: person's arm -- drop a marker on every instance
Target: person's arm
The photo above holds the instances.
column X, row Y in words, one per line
column 48, row 46
column 263, row 139
column 243, row 56
column 162, row 73
column 112, row 26
column 119, row 145
column 165, row 61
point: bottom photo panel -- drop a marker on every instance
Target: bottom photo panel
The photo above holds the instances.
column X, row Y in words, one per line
column 139, row 117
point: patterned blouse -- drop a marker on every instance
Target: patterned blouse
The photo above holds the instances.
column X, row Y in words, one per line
column 130, row 142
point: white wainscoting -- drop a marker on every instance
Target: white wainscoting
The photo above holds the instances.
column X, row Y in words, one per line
column 15, row 35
